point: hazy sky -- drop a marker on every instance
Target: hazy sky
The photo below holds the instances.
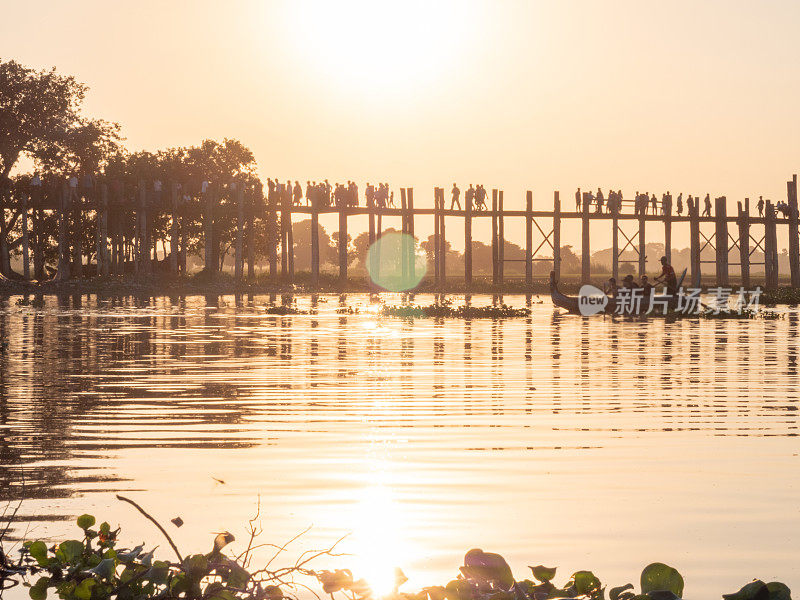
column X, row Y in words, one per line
column 691, row 96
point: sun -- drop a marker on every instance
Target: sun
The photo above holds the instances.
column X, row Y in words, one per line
column 378, row 48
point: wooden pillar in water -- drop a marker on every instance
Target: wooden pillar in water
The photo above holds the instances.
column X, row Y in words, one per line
column 249, row 233
column 557, row 234
column 63, row 242
column 238, row 261
column 285, row 226
column 586, row 269
column 371, row 240
column 436, row 240
column 528, row 238
column 77, row 245
column 467, row 241
column 404, row 230
column 642, row 244
column 770, row 247
column 743, row 223
column 501, row 240
column 721, row 239
column 290, row 240
column 412, row 258
column 314, row 242
column 103, row 255
column 794, row 242
column 615, row 240
column 173, row 236
column 343, row 246
column 208, row 232
column 26, row 257
column 494, row 238
column 146, row 241
column 668, row 232
column 694, row 241
column 442, row 242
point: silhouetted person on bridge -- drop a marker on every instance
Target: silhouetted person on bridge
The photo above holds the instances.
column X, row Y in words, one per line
column 760, row 206
column 600, row 199
column 654, row 204
column 480, row 197
column 455, row 199
column 578, row 200
column 707, row 210
column 679, row 204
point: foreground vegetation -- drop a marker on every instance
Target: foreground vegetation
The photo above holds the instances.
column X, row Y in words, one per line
column 94, row 567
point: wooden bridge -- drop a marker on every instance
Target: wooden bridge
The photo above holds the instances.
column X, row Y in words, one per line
column 730, row 236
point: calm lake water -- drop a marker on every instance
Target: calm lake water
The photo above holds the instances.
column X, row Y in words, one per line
column 587, row 443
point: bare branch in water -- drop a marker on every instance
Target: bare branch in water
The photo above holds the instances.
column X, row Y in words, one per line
column 156, row 523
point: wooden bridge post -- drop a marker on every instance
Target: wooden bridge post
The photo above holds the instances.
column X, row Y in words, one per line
column 77, row 245
column 557, row 234
column 694, row 241
column 208, row 232
column 770, row 247
column 642, row 244
column 26, row 257
column 343, row 246
column 63, row 242
column 141, row 239
column 744, row 242
column 794, row 242
column 721, row 239
column 668, row 231
column 494, row 238
column 173, row 231
column 528, row 238
column 249, row 236
column 315, row 242
column 615, row 239
column 38, row 242
column 436, row 245
column 370, row 241
column 238, row 259
column 442, row 243
column 412, row 247
column 586, row 269
column 404, row 229
column 501, row 240
column 103, row 258
column 290, row 238
column 467, row 241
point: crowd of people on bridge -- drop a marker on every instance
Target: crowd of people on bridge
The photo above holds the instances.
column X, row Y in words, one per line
column 643, row 203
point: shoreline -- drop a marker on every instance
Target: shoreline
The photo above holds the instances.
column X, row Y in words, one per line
column 225, row 285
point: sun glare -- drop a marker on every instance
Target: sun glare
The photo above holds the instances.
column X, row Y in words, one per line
column 378, row 47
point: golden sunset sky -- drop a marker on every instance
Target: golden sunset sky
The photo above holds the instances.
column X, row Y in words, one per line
column 686, row 96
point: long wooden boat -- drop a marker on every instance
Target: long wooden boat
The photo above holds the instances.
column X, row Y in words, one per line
column 571, row 304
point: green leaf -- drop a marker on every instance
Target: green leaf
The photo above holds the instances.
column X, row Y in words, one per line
column 105, row 569
column 615, row 592
column 84, row 589
column 158, row 572
column 585, row 582
column 126, row 557
column 38, row 550
column 38, row 591
column 660, row 577
column 273, row 592
column 779, row 591
column 196, row 567
column 542, row 573
column 86, row 521
column 70, row 551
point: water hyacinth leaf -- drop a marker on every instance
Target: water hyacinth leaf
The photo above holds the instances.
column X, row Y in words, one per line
column 222, row 540
column 779, row 591
column 615, row 592
column 38, row 550
column 662, row 595
column 38, row 591
column 480, row 566
column 333, row 581
column 105, row 569
column 542, row 573
column 755, row 590
column 585, row 582
column 70, row 551
column 273, row 592
column 658, row 577
column 158, row 572
column 147, row 559
column 131, row 554
column 196, row 566
column 84, row 589
column 86, row 521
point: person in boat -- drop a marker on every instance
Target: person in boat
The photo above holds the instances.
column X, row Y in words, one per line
column 611, row 288
column 647, row 288
column 668, row 277
column 629, row 283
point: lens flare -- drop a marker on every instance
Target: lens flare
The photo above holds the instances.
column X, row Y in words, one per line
column 395, row 262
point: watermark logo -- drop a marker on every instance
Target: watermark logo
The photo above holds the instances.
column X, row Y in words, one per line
column 591, row 300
